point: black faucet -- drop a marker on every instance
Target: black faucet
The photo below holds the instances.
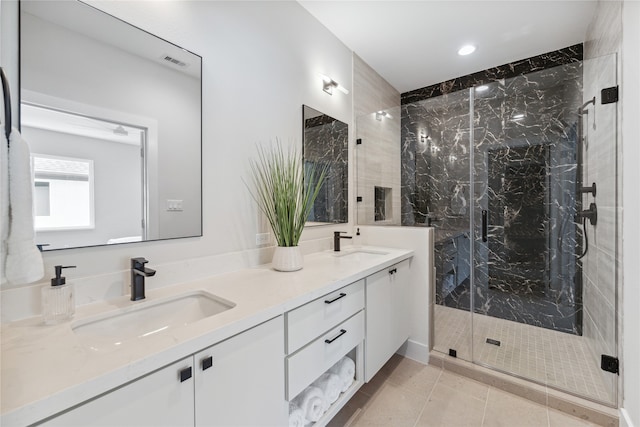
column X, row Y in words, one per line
column 336, row 240
column 138, row 273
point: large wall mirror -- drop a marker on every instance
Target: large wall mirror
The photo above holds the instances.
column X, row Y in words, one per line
column 113, row 118
column 325, row 144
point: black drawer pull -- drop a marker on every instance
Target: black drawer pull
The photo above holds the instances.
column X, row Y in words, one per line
column 342, row 295
column 393, row 271
column 342, row 332
column 206, row 363
column 185, row 374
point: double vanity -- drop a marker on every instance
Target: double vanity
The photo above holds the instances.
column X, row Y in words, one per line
column 231, row 349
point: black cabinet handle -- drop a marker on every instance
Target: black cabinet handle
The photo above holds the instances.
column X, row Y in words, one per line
column 342, row 295
column 206, row 363
column 484, row 225
column 185, row 374
column 393, row 271
column 342, row 332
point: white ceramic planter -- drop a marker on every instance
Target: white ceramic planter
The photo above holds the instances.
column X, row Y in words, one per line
column 287, row 258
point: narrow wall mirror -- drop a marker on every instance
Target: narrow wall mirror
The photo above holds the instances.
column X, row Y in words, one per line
column 325, row 144
column 113, row 118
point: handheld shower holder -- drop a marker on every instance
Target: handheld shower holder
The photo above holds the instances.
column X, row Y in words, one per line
column 591, row 214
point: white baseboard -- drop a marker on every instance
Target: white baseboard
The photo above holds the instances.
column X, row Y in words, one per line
column 625, row 420
column 415, row 350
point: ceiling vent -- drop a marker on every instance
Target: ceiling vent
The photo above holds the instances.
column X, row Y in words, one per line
column 174, row 61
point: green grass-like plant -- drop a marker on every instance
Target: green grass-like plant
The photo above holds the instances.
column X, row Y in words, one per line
column 279, row 177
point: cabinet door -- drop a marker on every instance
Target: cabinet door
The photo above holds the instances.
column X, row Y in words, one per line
column 401, row 298
column 240, row 381
column 387, row 312
column 379, row 329
column 158, row 399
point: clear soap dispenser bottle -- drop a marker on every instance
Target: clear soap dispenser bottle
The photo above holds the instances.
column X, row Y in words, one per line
column 58, row 300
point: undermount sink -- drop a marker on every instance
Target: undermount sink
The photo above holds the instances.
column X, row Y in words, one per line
column 360, row 253
column 147, row 318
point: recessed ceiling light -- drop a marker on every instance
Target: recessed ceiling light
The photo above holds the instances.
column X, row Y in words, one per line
column 482, row 88
column 466, row 49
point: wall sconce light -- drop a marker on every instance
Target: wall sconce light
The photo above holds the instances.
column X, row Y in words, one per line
column 381, row 114
column 328, row 84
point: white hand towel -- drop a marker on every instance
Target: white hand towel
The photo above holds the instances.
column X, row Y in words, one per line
column 346, row 370
column 24, row 261
column 4, row 198
column 311, row 401
column 331, row 385
column 296, row 416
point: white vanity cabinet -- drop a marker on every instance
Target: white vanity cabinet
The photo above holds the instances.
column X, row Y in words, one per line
column 236, row 382
column 240, row 381
column 319, row 334
column 159, row 398
column 388, row 302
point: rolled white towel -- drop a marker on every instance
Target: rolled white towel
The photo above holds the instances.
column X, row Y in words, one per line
column 311, row 401
column 296, row 416
column 331, row 385
column 346, row 370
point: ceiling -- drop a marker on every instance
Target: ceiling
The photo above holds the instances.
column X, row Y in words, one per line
column 414, row 44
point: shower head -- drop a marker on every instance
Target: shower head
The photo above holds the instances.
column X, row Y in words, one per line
column 581, row 110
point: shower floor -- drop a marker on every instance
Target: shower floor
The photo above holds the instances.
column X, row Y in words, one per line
column 556, row 359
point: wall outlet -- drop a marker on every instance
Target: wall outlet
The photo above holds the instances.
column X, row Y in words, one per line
column 174, row 205
column 262, row 239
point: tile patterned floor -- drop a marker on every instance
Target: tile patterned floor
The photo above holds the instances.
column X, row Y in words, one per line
column 408, row 393
column 552, row 358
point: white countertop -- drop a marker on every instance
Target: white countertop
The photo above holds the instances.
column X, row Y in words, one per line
column 46, row 369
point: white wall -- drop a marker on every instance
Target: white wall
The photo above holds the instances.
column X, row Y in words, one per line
column 630, row 87
column 260, row 64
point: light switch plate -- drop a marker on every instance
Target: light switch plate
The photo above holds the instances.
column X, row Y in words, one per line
column 174, row 205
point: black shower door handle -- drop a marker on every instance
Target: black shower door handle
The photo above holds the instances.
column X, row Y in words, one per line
column 484, row 225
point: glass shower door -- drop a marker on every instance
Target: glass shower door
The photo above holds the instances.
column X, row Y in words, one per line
column 544, row 304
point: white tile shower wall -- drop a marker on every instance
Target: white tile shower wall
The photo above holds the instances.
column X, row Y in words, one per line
column 378, row 157
column 260, row 64
column 602, row 269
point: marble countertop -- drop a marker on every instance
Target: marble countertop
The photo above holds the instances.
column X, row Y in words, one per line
column 46, row 369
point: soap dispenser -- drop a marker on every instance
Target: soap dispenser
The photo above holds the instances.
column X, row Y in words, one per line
column 58, row 301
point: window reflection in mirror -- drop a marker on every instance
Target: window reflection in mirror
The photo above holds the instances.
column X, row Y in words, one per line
column 325, row 144
column 63, row 193
column 96, row 89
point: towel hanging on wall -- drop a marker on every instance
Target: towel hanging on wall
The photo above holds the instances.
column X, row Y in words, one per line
column 24, row 260
column 21, row 260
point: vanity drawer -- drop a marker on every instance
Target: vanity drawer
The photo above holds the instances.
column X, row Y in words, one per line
column 315, row 359
column 306, row 323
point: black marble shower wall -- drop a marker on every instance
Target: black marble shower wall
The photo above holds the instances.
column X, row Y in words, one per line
column 524, row 176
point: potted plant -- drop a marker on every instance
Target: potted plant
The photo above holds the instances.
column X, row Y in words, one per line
column 279, row 176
